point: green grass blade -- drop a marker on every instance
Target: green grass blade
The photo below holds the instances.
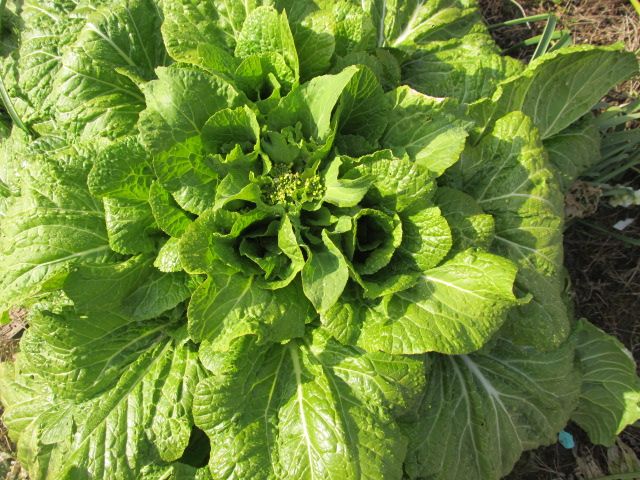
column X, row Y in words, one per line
column 521, row 20
column 547, row 36
column 564, row 41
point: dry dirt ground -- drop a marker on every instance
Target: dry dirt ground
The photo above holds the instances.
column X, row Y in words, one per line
column 605, row 271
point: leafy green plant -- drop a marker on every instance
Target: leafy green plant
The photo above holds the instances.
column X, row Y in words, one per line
column 294, row 240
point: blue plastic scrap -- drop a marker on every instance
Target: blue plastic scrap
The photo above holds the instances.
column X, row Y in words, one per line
column 566, row 440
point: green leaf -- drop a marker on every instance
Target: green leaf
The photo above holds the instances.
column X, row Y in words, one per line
column 228, row 128
column 426, row 237
column 139, row 421
column 169, row 217
column 418, row 22
column 455, row 308
column 93, row 99
column 179, row 103
column 398, row 183
column 470, row 226
column 363, row 110
column 325, row 274
column 344, row 192
column 54, row 224
column 184, row 171
column 122, row 170
column 226, row 307
column 509, row 177
column 116, row 389
column 168, row 259
column 574, row 151
column 133, row 290
column 305, row 410
column 466, row 69
column 312, row 31
column 425, row 128
column 560, row 87
column 130, row 226
column 610, row 397
column 373, row 240
column 188, row 24
column 482, row 411
column 312, row 104
column 354, row 30
column 47, row 29
column 266, row 31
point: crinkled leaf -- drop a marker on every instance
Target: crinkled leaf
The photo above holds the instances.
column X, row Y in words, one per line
column 52, row 225
column 610, row 397
column 179, row 103
column 305, row 410
column 325, row 274
column 455, row 308
column 508, row 175
column 466, row 69
column 470, row 225
column 574, row 151
column 560, row 87
column 482, row 411
column 122, row 170
column 131, row 227
column 93, row 98
column 226, row 307
column 425, row 128
column 266, row 31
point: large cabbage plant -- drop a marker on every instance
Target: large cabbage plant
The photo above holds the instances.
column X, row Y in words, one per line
column 293, row 239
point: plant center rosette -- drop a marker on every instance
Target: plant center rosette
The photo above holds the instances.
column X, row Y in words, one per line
column 310, row 205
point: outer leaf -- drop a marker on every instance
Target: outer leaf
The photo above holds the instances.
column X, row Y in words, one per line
column 205, row 25
column 482, row 410
column 54, row 224
column 467, row 69
column 508, row 175
column 179, row 103
column 266, row 31
column 425, row 128
column 122, row 170
column 226, row 307
column 574, row 151
column 94, row 98
column 610, row 397
column 118, row 389
column 131, row 227
column 312, row 30
column 304, row 411
column 417, row 22
column 118, row 431
column 455, row 308
column 558, row 88
column 48, row 28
